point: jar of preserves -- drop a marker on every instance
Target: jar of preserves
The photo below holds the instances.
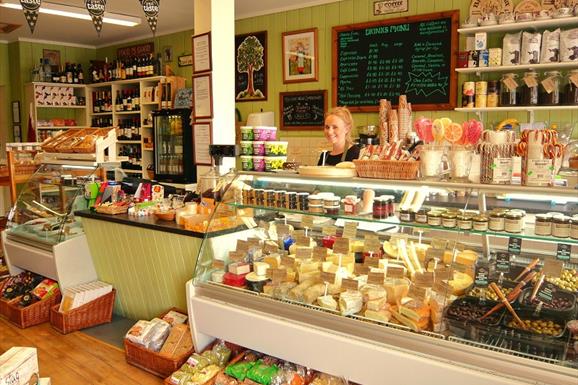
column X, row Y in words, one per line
column 570, row 88
column 434, row 218
column 449, row 220
column 514, row 222
column 465, row 222
column 529, row 89
column 497, row 221
column 509, row 90
column 481, row 223
column 379, row 208
column 549, row 90
column 421, row 215
column 492, row 98
column 561, row 227
column 543, row 224
column 406, row 216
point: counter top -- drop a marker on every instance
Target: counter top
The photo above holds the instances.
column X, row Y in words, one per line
column 150, row 222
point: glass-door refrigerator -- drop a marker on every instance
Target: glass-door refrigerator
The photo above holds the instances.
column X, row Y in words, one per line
column 173, row 146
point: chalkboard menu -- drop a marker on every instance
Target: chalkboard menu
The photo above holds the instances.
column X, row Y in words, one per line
column 415, row 56
column 303, row 110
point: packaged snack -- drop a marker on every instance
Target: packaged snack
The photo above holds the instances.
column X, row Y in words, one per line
column 550, row 52
column 511, row 48
column 569, row 45
column 223, row 379
column 175, row 318
column 45, row 289
column 160, row 332
column 222, row 352
column 262, row 373
column 140, row 332
column 531, row 43
column 239, row 370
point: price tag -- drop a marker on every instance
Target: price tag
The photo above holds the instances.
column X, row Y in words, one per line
column 375, row 278
column 350, row 230
column 218, row 264
column 253, row 242
column 417, row 292
column 277, row 275
column 304, row 252
column 271, row 248
column 282, row 230
column 530, row 81
column 515, row 245
column 371, row 245
column 481, row 276
column 242, row 246
column 236, row 256
column 307, row 221
column 501, row 170
column 553, row 267
column 437, row 254
column 349, row 284
column 341, row 246
column 539, row 171
column 393, row 238
column 287, row 261
column 549, row 84
column 438, row 243
column 564, row 251
column 328, row 277
column 319, row 253
column 395, row 272
column 455, row 245
column 361, row 269
column 424, row 279
column 510, row 83
column 442, row 288
column 443, row 274
column 547, row 292
column 371, row 262
column 370, row 236
column 503, row 262
column 302, row 240
column 298, row 233
column 329, row 230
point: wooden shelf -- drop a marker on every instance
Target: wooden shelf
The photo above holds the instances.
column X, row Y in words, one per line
column 532, row 24
column 100, row 113
column 67, row 107
column 48, row 84
column 128, row 112
column 519, row 67
column 128, row 141
column 59, row 127
column 517, row 108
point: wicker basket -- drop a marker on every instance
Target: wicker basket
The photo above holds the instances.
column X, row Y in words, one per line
column 94, row 313
column 34, row 314
column 387, row 169
column 4, row 307
column 113, row 210
column 153, row 362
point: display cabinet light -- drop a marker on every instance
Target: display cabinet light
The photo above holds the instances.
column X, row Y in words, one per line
column 76, row 13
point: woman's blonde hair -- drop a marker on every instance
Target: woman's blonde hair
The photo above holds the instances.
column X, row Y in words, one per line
column 344, row 114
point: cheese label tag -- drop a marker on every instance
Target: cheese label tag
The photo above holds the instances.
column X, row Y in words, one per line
column 481, row 277
column 563, row 252
column 350, row 230
column 393, row 238
column 442, row 288
column 236, row 256
column 553, row 267
column 438, row 243
column 282, row 230
column 302, row 240
column 395, row 272
column 329, row 230
column 349, row 284
column 328, row 277
column 304, row 252
column 242, row 246
column 319, row 253
column 436, row 254
column 370, row 236
column 341, row 246
column 371, row 245
column 503, row 262
column 547, row 292
column 218, row 264
column 417, row 292
column 361, row 269
column 277, row 275
column 455, row 245
column 253, row 242
column 271, row 248
column 375, row 278
column 371, row 262
column 443, row 274
column 287, row 261
column 307, row 221
column 298, row 233
column 424, row 279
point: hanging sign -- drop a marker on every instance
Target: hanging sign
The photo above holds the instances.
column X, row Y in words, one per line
column 151, row 10
column 95, row 9
column 30, row 8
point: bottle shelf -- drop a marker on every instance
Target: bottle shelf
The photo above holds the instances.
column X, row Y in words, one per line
column 519, row 67
column 393, row 221
column 516, row 108
column 128, row 112
column 51, row 84
column 128, row 141
column 66, row 107
column 532, row 24
column 54, row 128
column 100, row 113
column 129, row 171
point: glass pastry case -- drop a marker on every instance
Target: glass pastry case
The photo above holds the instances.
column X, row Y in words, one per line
column 42, row 234
column 470, row 279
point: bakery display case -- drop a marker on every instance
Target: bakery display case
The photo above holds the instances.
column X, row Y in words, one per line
column 42, row 233
column 430, row 277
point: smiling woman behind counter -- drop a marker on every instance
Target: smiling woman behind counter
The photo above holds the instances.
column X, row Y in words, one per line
column 337, row 129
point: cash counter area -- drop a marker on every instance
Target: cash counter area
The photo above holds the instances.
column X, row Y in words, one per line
column 148, row 261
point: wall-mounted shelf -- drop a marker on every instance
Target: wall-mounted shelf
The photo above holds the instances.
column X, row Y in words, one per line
column 519, row 67
column 45, row 106
column 128, row 112
column 516, row 108
column 100, row 113
column 55, row 128
column 533, row 24
column 128, row 141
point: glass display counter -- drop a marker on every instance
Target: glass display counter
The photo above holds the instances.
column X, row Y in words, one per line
column 42, row 234
column 418, row 277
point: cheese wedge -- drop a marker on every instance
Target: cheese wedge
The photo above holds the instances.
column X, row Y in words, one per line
column 376, row 304
column 380, row 315
column 350, row 302
column 327, row 302
column 460, row 283
column 372, row 292
column 273, row 260
column 260, row 268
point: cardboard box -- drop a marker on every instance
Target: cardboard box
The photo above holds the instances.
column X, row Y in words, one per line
column 19, row 366
column 481, row 40
column 178, row 342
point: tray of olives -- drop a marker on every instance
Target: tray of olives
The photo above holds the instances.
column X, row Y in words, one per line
column 536, row 326
column 463, row 316
column 563, row 304
column 488, row 294
column 568, row 280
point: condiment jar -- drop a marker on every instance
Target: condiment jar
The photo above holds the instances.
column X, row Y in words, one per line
column 497, row 221
column 421, row 215
column 550, row 89
column 543, row 224
column 492, row 98
column 480, row 223
column 509, row 90
column 574, row 227
column 406, row 215
column 379, row 208
column 529, row 89
column 388, row 202
column 449, row 220
column 570, row 88
column 434, row 218
column 350, row 204
column 465, row 222
column 561, row 227
column 314, row 200
column 514, row 222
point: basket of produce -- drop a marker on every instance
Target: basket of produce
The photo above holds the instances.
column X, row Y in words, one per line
column 387, row 169
column 157, row 347
column 96, row 312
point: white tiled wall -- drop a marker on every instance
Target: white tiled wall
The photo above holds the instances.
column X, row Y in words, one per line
column 305, row 150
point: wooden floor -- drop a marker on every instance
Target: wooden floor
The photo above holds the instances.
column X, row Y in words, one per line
column 74, row 358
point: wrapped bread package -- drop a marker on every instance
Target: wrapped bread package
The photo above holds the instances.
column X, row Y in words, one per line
column 178, row 342
column 159, row 334
column 140, row 333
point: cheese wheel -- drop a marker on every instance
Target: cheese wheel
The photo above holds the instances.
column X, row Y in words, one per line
column 460, row 283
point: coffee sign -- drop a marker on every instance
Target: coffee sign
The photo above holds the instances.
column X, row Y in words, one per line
column 151, row 10
column 30, row 8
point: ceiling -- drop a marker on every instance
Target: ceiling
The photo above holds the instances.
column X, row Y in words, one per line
column 174, row 15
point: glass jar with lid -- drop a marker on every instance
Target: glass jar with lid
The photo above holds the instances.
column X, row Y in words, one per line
column 549, row 90
column 492, row 98
column 509, row 89
column 570, row 88
column 529, row 89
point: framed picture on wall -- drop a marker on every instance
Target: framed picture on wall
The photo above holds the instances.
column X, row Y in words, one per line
column 16, row 112
column 202, row 61
column 300, row 56
column 302, row 110
column 202, row 97
column 251, row 67
column 53, row 56
column 202, row 138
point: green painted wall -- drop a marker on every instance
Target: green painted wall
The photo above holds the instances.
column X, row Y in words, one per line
column 5, row 82
column 180, row 43
column 324, row 17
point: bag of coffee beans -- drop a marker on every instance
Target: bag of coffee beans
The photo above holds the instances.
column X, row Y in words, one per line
column 569, row 45
column 550, row 47
column 511, row 49
column 531, row 43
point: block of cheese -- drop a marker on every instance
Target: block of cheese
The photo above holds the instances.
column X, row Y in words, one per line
column 313, row 275
column 307, row 267
column 239, row 268
column 260, row 268
column 325, row 265
column 376, row 304
column 282, row 291
column 467, row 257
column 378, row 315
column 291, row 275
column 372, row 292
column 396, row 289
column 344, row 259
column 178, row 342
column 318, row 290
column 350, row 302
column 437, row 309
column 415, row 310
column 460, row 283
column 298, row 291
column 356, row 246
column 273, row 260
column 390, row 249
column 327, row 302
column 19, row 366
column 416, row 326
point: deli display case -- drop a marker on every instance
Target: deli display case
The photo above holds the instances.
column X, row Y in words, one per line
column 42, row 234
column 380, row 280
